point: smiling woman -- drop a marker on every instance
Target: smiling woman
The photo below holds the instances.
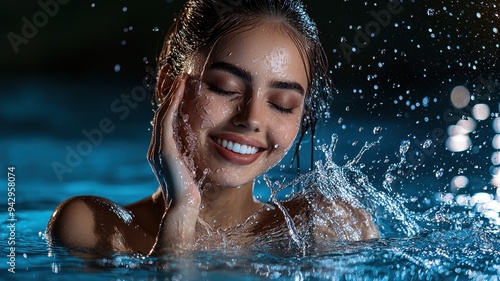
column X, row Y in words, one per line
column 235, row 88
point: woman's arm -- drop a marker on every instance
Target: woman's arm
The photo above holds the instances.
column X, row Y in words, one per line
column 182, row 198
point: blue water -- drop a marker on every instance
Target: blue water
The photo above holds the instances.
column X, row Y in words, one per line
column 436, row 241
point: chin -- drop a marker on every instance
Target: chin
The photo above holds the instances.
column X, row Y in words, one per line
column 228, row 179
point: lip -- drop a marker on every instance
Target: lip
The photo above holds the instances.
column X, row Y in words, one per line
column 233, row 157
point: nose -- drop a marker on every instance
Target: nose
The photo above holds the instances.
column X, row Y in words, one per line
column 249, row 115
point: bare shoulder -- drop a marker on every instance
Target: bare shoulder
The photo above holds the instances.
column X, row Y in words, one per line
column 342, row 220
column 330, row 219
column 96, row 225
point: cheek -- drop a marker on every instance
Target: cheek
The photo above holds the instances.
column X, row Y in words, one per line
column 285, row 133
column 205, row 111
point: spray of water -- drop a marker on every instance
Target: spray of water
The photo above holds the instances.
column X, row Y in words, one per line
column 346, row 185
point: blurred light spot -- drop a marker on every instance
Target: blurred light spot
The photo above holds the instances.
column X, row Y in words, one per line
column 495, row 181
column 117, row 67
column 481, row 111
column 444, row 197
column 425, row 101
column 496, row 142
column 455, row 130
column 481, row 197
column 458, row 143
column 495, row 171
column 496, row 124
column 462, row 200
column 459, row 182
column 460, row 97
column 492, row 206
column 495, row 158
column 468, row 125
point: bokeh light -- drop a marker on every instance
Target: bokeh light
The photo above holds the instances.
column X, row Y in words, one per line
column 496, row 125
column 481, row 111
column 468, row 125
column 495, row 158
column 458, row 143
column 460, row 97
column 496, row 141
column 458, row 182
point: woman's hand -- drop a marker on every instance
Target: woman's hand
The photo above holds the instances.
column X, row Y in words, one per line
column 181, row 193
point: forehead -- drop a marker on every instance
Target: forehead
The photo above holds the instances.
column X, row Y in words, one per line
column 262, row 48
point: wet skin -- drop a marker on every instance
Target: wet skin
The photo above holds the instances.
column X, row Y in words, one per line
column 250, row 92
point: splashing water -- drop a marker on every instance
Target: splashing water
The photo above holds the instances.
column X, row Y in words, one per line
column 446, row 240
column 449, row 241
column 347, row 183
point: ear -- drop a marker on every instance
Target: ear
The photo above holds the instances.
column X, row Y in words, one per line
column 164, row 84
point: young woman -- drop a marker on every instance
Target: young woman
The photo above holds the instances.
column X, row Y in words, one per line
column 238, row 81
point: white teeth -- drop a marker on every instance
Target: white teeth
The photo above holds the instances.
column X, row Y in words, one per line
column 236, row 147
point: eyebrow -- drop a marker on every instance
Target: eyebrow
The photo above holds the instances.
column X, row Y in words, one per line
column 245, row 75
column 284, row 85
column 233, row 69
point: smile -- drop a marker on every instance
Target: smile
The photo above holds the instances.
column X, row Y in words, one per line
column 237, row 147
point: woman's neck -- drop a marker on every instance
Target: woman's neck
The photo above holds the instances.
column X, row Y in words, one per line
column 225, row 207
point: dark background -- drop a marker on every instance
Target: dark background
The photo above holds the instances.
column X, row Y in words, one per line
column 63, row 81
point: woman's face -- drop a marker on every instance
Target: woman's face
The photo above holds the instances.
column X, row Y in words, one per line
column 244, row 113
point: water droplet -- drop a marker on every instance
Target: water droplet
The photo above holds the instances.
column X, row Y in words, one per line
column 92, row 5
column 276, row 146
column 377, row 130
column 439, row 173
column 495, row 29
column 117, row 67
column 405, row 145
column 427, row 143
column 124, row 9
column 155, row 29
column 430, row 11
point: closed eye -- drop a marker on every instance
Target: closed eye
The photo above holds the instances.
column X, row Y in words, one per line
column 221, row 91
column 280, row 108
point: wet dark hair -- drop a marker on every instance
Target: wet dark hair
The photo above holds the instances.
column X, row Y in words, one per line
column 201, row 23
